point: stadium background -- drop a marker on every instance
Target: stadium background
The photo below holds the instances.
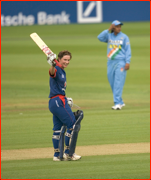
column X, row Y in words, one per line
column 26, row 123
column 50, row 12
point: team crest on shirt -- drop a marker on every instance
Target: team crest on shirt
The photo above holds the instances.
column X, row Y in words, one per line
column 62, row 75
column 122, row 69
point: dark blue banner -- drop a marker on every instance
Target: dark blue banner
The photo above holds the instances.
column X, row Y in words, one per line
column 14, row 13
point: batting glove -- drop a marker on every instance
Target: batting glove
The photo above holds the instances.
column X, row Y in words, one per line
column 70, row 102
column 50, row 59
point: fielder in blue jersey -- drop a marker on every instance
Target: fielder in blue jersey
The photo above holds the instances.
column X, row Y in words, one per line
column 119, row 56
column 60, row 107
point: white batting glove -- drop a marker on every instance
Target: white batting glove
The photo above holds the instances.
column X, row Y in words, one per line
column 50, row 59
column 70, row 102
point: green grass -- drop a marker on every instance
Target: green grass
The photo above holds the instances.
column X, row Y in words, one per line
column 26, row 121
column 132, row 166
column 32, row 127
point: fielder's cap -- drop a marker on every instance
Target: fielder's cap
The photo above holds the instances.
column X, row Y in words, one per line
column 116, row 22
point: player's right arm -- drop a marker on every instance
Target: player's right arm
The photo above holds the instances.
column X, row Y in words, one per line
column 103, row 36
column 51, row 60
column 52, row 71
column 112, row 26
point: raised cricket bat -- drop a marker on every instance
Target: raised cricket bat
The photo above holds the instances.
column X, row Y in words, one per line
column 41, row 44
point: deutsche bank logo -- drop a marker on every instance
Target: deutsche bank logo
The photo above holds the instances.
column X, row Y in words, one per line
column 89, row 11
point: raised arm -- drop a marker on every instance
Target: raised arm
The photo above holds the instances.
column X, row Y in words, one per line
column 103, row 36
column 51, row 60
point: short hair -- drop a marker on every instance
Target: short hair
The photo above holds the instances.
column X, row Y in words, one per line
column 63, row 53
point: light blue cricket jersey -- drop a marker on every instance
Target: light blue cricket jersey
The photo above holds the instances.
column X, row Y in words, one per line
column 118, row 45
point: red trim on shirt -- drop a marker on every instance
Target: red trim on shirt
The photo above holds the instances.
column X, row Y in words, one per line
column 57, row 63
column 53, row 76
column 62, row 97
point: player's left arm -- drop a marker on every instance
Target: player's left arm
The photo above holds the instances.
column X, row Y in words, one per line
column 70, row 102
column 127, row 53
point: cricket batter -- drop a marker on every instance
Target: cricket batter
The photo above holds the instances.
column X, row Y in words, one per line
column 61, row 109
column 118, row 55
